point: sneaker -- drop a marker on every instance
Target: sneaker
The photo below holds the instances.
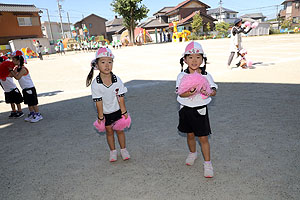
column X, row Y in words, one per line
column 36, row 118
column 191, row 159
column 19, row 114
column 28, row 118
column 208, row 170
column 125, row 155
column 113, row 155
column 12, row 114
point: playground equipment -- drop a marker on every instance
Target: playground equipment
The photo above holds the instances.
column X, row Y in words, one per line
column 29, row 53
column 179, row 36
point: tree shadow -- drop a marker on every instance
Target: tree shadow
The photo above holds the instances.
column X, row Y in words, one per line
column 46, row 94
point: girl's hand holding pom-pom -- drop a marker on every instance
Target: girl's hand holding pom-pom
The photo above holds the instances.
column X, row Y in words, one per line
column 122, row 123
column 100, row 125
column 247, row 24
column 254, row 25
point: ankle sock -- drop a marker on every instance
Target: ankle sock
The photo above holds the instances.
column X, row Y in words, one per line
column 207, row 162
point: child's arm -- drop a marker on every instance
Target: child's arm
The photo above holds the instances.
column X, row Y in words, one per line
column 17, row 75
column 123, row 107
column 188, row 93
column 99, row 105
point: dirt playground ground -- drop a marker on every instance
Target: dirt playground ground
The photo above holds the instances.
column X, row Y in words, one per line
column 254, row 118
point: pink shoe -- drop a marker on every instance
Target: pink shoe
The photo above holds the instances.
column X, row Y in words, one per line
column 125, row 155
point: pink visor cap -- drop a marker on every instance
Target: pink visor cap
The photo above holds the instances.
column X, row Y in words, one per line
column 104, row 52
column 193, row 48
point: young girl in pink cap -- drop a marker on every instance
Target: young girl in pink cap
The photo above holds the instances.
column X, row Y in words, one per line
column 193, row 113
column 108, row 93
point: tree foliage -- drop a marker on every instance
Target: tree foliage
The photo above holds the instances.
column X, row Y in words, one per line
column 208, row 27
column 132, row 11
column 287, row 23
column 197, row 23
column 222, row 28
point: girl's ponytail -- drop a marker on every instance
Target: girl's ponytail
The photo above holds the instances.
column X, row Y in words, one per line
column 203, row 72
column 181, row 63
column 90, row 77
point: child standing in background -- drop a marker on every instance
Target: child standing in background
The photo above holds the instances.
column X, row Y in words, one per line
column 21, row 73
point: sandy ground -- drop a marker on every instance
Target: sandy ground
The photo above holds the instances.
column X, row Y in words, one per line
column 254, row 117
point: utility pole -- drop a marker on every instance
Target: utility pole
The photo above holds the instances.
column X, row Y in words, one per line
column 51, row 33
column 69, row 24
column 220, row 10
column 61, row 24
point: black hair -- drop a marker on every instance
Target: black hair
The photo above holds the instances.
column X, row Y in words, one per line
column 203, row 72
column 21, row 59
column 91, row 74
column 1, row 59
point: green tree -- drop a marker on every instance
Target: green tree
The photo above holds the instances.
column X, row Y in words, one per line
column 222, row 28
column 287, row 23
column 131, row 11
column 197, row 23
column 208, row 27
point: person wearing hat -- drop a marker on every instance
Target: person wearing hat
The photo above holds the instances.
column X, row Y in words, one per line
column 21, row 73
column 193, row 113
column 108, row 93
column 236, row 39
column 11, row 92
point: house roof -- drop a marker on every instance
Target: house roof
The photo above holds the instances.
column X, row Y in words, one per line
column 115, row 29
column 90, row 16
column 164, row 10
column 217, row 11
column 114, row 22
column 253, row 15
column 188, row 18
column 287, row 1
column 18, row 8
column 184, row 3
column 153, row 23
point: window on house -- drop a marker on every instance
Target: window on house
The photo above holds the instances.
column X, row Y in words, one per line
column 295, row 20
column 24, row 21
column 90, row 25
column 233, row 15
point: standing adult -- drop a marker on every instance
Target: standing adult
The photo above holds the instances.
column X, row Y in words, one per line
column 236, row 39
column 38, row 49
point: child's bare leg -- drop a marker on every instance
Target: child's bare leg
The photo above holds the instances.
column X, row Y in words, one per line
column 13, row 107
column 205, row 147
column 19, row 107
column 121, row 139
column 191, row 142
column 110, row 137
column 36, row 108
column 30, row 108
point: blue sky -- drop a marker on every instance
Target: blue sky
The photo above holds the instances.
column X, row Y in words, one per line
column 79, row 8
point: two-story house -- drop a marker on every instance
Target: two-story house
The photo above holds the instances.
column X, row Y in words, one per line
column 223, row 15
column 94, row 24
column 19, row 22
column 291, row 9
column 185, row 11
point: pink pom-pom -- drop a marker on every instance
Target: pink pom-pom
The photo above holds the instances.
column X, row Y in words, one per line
column 194, row 80
column 254, row 25
column 122, row 123
column 100, row 127
column 247, row 23
column 249, row 63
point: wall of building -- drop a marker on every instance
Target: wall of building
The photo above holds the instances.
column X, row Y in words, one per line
column 13, row 30
column 95, row 25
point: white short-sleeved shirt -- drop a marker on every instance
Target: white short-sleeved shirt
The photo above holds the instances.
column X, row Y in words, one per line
column 108, row 94
column 197, row 99
column 8, row 84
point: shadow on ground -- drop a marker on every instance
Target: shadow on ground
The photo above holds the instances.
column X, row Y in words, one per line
column 255, row 148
